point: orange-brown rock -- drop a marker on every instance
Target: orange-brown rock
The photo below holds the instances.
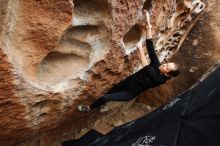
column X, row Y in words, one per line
column 57, row 53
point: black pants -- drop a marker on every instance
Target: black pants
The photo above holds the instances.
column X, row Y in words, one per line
column 117, row 96
column 116, row 93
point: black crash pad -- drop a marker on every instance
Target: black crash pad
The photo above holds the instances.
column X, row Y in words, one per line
column 190, row 119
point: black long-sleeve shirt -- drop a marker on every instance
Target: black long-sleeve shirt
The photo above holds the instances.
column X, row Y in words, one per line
column 148, row 77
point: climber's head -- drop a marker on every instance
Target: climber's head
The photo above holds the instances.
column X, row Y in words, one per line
column 169, row 69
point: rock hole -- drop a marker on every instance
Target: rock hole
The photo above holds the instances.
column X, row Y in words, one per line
column 201, row 7
column 81, row 32
column 171, row 49
column 89, row 7
column 90, row 11
column 132, row 37
column 56, row 67
column 147, row 5
column 176, row 35
column 72, row 46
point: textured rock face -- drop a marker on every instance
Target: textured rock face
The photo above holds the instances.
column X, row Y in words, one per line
column 199, row 52
column 55, row 53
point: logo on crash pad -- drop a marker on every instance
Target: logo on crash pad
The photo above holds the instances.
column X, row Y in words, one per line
column 144, row 141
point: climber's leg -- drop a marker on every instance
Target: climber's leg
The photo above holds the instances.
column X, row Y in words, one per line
column 119, row 86
column 118, row 96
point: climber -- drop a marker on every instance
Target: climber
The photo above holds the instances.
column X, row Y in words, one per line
column 149, row 76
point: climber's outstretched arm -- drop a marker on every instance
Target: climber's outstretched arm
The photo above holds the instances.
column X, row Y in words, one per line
column 146, row 29
column 141, row 54
column 145, row 33
column 149, row 43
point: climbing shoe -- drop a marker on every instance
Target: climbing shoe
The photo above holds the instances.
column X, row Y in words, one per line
column 84, row 108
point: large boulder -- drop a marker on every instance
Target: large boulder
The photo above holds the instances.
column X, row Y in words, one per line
column 57, row 53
